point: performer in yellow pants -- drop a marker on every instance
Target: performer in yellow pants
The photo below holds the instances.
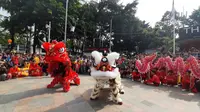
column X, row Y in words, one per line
column 179, row 79
column 24, row 71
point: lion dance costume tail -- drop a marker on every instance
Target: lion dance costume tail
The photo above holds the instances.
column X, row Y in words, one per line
column 59, row 65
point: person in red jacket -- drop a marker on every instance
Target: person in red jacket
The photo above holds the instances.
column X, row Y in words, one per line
column 15, row 59
column 144, row 76
column 35, row 69
column 194, row 84
column 154, row 79
column 13, row 72
column 135, row 75
column 186, row 81
column 171, row 78
column 162, row 75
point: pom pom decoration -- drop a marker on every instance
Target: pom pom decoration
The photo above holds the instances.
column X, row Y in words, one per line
column 179, row 65
column 97, row 56
column 144, row 65
column 169, row 63
column 194, row 66
column 112, row 57
column 150, row 58
column 160, row 63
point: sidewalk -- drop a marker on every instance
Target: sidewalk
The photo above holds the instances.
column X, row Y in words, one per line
column 30, row 95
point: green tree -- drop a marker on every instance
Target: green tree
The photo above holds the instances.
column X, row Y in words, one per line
column 195, row 17
column 26, row 13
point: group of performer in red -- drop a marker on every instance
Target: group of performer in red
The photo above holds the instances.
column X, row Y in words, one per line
column 32, row 69
column 166, row 71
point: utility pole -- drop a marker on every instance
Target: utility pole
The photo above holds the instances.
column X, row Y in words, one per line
column 174, row 33
column 110, row 38
column 174, row 40
column 66, row 14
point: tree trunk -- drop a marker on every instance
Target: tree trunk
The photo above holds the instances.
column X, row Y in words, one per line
column 35, row 39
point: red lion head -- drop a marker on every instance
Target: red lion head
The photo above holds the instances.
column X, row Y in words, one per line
column 55, row 52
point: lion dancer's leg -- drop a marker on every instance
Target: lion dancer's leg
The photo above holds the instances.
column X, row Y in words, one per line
column 55, row 81
column 66, row 84
column 75, row 77
column 119, row 84
column 70, row 76
column 115, row 94
column 96, row 91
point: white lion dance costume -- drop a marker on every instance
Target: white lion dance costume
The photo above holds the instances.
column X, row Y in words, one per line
column 105, row 71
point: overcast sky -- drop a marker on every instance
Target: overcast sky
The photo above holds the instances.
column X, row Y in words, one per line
column 152, row 10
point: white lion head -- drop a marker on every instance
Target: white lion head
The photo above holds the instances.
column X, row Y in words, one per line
column 112, row 57
column 109, row 59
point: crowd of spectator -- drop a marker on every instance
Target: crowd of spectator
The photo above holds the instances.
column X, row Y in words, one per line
column 14, row 65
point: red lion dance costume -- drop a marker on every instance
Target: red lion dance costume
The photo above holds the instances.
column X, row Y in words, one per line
column 59, row 65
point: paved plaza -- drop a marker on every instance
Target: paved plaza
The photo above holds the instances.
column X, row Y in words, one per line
column 30, row 95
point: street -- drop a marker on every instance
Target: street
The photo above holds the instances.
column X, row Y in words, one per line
column 31, row 95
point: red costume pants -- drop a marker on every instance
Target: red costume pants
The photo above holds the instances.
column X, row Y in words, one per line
column 153, row 81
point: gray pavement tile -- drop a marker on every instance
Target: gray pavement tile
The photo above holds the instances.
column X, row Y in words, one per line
column 46, row 101
column 98, row 104
column 147, row 103
column 7, row 98
column 75, row 101
column 35, row 103
column 137, row 97
column 10, row 106
column 80, row 107
column 140, row 105
column 156, row 108
column 68, row 96
column 126, row 110
column 2, row 108
column 59, row 109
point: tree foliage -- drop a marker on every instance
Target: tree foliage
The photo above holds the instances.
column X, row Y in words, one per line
column 195, row 17
column 92, row 20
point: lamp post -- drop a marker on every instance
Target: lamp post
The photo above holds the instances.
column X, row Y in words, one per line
column 66, row 14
